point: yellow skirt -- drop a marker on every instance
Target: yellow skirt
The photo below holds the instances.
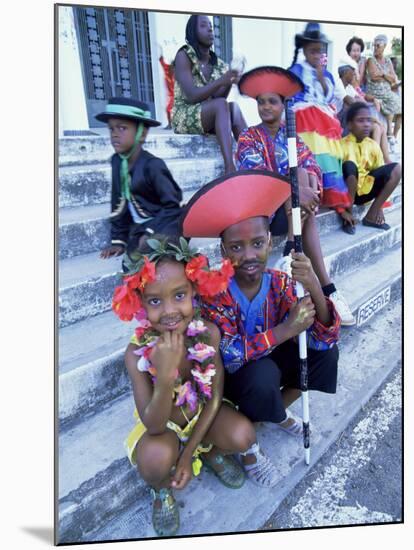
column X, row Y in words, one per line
column 183, row 433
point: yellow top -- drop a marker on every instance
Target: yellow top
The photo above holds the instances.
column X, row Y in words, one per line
column 367, row 156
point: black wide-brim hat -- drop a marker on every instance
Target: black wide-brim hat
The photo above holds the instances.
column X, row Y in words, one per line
column 270, row 79
column 312, row 33
column 231, row 199
column 128, row 108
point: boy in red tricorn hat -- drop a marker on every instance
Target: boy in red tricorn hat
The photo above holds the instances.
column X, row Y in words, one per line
column 265, row 147
column 259, row 315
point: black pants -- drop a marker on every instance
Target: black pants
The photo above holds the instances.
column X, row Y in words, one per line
column 256, row 386
column 381, row 175
column 169, row 226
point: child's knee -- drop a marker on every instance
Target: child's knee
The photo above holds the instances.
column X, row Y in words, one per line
column 243, row 434
column 396, row 172
column 155, row 459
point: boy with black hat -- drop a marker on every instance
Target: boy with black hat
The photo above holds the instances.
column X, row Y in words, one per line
column 259, row 315
column 145, row 197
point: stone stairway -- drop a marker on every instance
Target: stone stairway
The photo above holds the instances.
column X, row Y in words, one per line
column 98, row 490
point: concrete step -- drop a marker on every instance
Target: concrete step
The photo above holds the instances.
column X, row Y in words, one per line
column 93, row 374
column 101, row 497
column 83, row 185
column 86, row 282
column 86, row 229
column 166, row 145
column 83, row 230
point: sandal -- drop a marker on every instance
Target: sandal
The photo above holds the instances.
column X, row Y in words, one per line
column 262, row 472
column 165, row 517
column 230, row 474
column 295, row 428
column 348, row 228
column 383, row 225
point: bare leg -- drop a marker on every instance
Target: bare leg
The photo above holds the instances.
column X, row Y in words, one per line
column 383, row 143
column 312, row 249
column 290, row 395
column 156, row 455
column 397, row 125
column 237, row 120
column 389, row 124
column 376, row 133
column 352, row 183
column 230, row 432
column 215, row 116
column 375, row 213
column 310, row 236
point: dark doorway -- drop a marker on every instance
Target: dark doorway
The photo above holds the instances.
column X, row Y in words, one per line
column 115, row 56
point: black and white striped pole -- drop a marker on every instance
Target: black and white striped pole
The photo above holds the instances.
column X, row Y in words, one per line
column 297, row 235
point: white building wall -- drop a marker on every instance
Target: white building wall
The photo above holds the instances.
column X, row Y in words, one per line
column 72, row 104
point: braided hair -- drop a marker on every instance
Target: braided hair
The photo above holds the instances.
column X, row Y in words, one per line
column 298, row 46
column 192, row 39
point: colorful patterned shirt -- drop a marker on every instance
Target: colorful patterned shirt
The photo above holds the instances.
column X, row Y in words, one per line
column 246, row 326
column 257, row 149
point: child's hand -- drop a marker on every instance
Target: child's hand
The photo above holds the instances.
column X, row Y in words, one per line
column 167, row 355
column 113, row 250
column 302, row 271
column 309, row 199
column 183, row 472
column 301, row 316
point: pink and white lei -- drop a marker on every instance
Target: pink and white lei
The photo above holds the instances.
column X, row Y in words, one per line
column 199, row 353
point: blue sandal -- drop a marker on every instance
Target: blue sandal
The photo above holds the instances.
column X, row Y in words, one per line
column 230, row 472
column 165, row 517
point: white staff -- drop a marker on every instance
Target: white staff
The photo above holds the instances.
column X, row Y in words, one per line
column 297, row 235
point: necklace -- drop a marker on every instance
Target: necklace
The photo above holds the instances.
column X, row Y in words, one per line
column 198, row 351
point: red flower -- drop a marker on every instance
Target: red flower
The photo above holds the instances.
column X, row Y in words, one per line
column 195, row 266
column 125, row 302
column 147, row 273
column 211, row 283
column 132, row 281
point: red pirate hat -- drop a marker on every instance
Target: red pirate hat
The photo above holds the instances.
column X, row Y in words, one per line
column 269, row 79
column 232, row 199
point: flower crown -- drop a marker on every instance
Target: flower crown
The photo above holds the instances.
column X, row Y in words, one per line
column 140, row 270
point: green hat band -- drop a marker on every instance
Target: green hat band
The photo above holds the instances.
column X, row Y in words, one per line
column 127, row 110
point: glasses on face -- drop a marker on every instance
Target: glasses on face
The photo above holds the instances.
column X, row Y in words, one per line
column 379, row 44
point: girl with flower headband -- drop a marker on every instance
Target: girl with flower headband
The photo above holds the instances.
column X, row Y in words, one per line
column 177, row 378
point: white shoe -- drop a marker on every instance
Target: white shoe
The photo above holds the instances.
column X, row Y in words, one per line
column 283, row 264
column 347, row 319
column 262, row 472
column 295, row 428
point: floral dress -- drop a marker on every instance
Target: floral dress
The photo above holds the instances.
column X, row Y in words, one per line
column 186, row 117
column 390, row 101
